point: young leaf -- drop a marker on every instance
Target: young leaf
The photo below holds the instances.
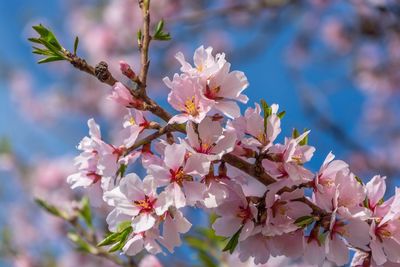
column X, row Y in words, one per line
column 304, row 221
column 305, row 139
column 281, row 114
column 206, row 259
column 295, row 133
column 47, row 36
column 85, row 212
column 51, row 209
column 76, row 44
column 159, row 33
column 110, row 239
column 50, row 59
column 80, row 243
column 233, row 242
column 160, row 26
column 139, row 37
column 122, row 240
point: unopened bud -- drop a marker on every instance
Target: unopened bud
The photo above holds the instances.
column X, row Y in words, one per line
column 127, row 70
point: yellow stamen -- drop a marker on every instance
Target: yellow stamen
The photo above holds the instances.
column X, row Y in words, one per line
column 190, row 107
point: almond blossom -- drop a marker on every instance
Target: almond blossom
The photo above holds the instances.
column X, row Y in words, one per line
column 174, row 174
column 286, row 161
column 219, row 85
column 186, row 97
column 207, row 142
column 235, row 213
column 255, row 133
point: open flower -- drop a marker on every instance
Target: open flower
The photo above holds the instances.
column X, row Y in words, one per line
column 253, row 132
column 222, row 87
column 286, row 161
column 186, row 97
column 206, row 143
column 235, row 213
column 135, row 200
column 174, row 174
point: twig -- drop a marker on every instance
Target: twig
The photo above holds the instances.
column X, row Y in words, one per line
column 166, row 129
column 144, row 47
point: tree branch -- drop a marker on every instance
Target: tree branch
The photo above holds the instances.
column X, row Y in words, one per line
column 151, row 137
column 144, row 47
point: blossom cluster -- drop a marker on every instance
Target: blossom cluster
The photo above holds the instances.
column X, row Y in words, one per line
column 294, row 212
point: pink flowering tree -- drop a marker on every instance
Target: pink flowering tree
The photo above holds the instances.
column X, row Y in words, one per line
column 265, row 204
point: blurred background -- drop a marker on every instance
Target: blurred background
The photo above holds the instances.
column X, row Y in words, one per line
column 333, row 66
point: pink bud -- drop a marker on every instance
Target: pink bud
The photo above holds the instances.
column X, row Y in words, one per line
column 123, row 96
column 127, row 70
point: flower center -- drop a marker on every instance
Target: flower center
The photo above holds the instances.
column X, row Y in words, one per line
column 244, row 213
column 178, row 176
column 204, row 148
column 212, row 93
column 262, row 138
column 382, row 232
column 190, row 107
column 279, row 208
column 96, row 177
column 146, row 204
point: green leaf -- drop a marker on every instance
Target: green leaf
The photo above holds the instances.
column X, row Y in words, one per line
column 47, row 36
column 52, row 47
column 295, row 133
column 39, row 51
column 50, row 59
column 122, row 240
column 159, row 33
column 233, row 242
column 118, row 239
column 358, row 179
column 112, row 238
column 139, row 37
column 121, row 170
column 206, row 259
column 304, row 221
column 81, row 244
column 85, row 211
column 51, row 209
column 123, row 225
column 160, row 26
column 76, row 43
column 281, row 114
column 196, row 243
column 305, row 139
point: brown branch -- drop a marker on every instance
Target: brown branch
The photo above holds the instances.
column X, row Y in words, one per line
column 144, row 47
column 101, row 71
column 150, row 138
column 248, row 168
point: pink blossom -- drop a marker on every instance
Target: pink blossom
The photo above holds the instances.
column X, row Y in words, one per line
column 325, row 181
column 174, row 225
column 134, row 200
column 219, row 85
column 283, row 210
column 286, row 161
column 149, row 261
column 235, row 213
column 209, row 143
column 174, row 174
column 186, row 97
column 384, row 231
column 252, row 132
column 144, row 240
column 123, row 96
